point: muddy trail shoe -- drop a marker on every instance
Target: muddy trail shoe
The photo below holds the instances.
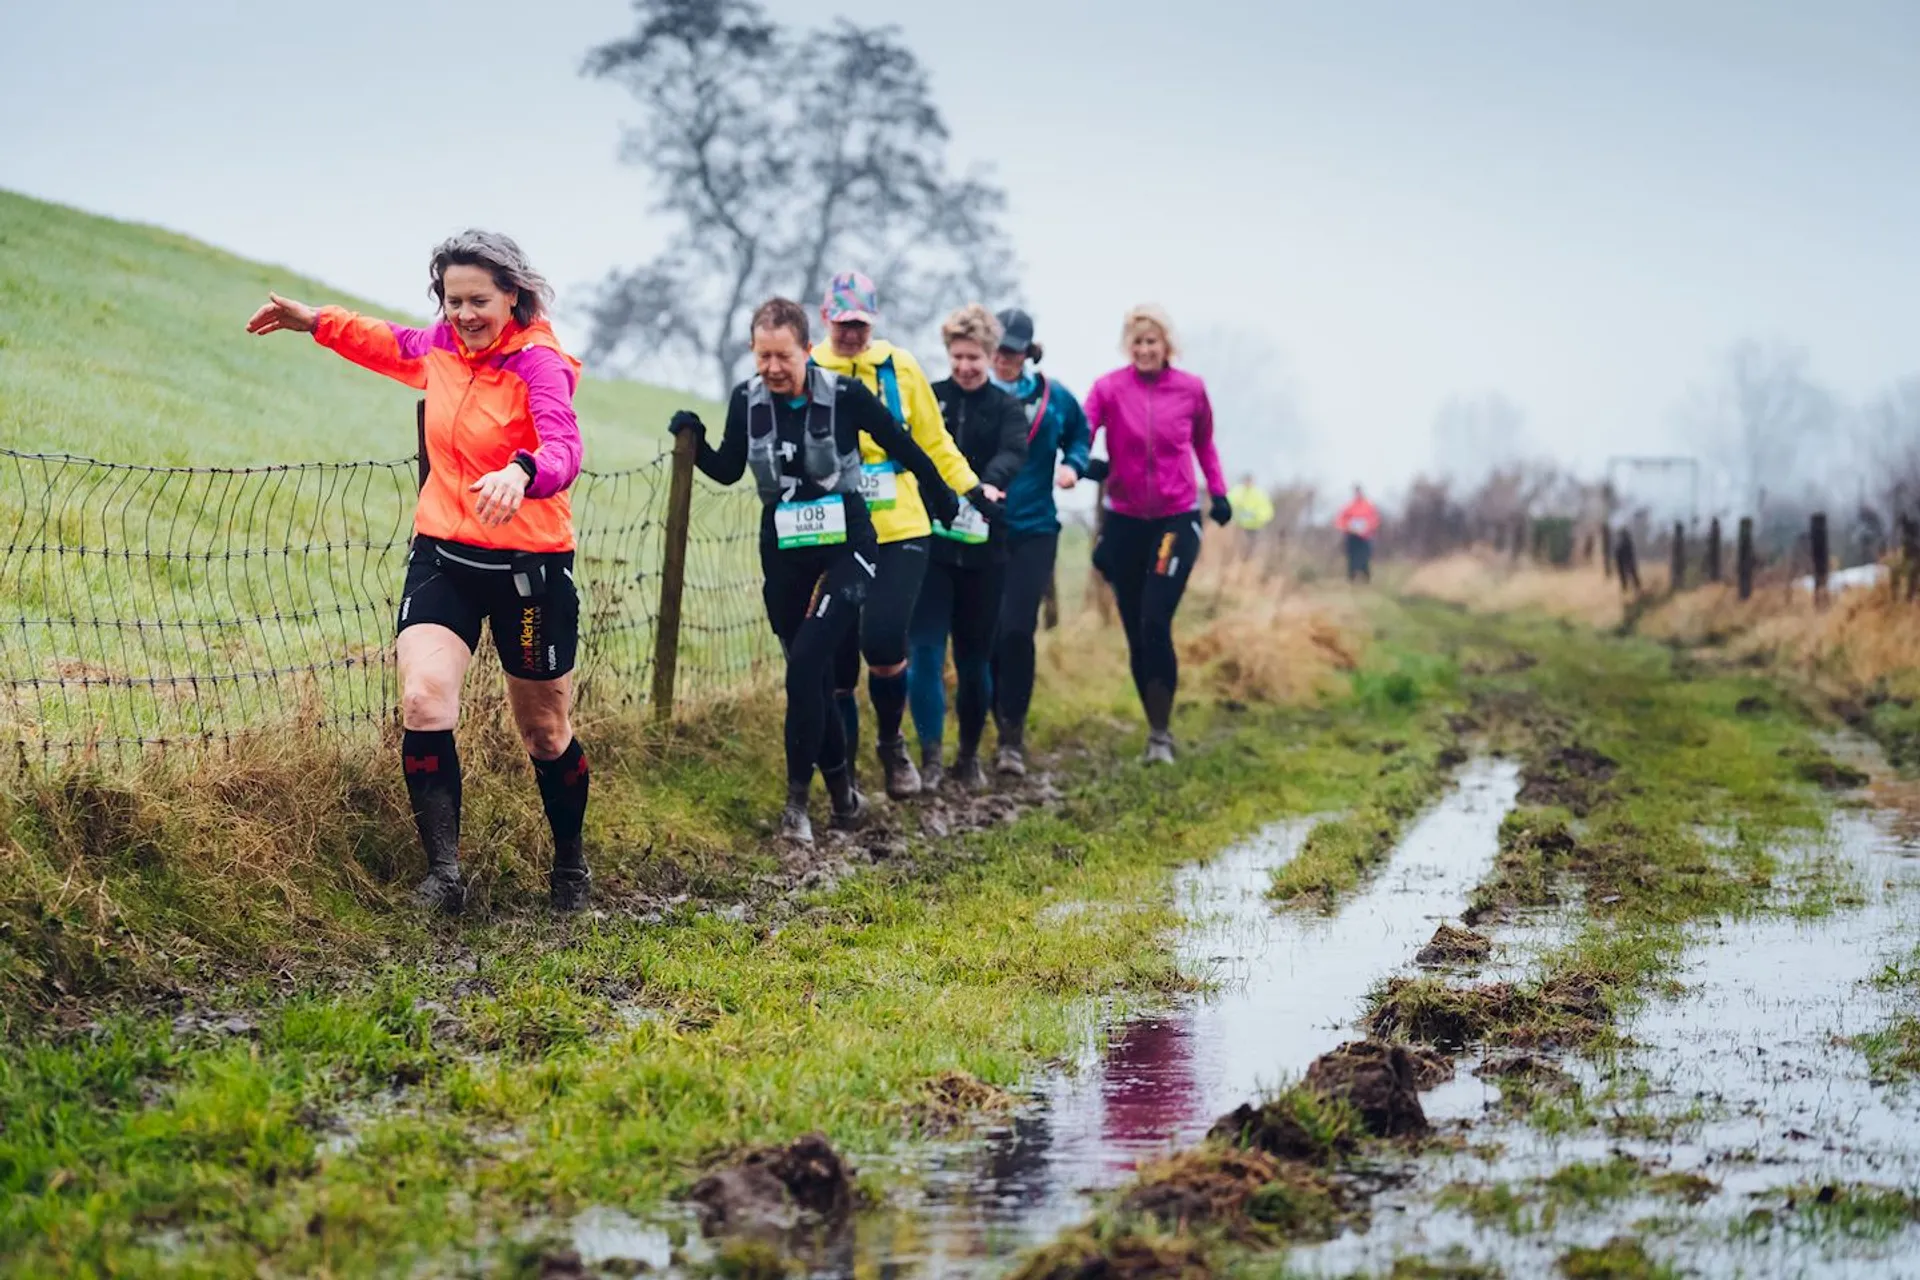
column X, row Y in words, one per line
column 569, row 887
column 967, row 773
column 795, row 826
column 442, row 891
column 1159, row 748
column 903, row 780
column 851, row 816
column 932, row 772
column 849, row 806
column 1011, row 760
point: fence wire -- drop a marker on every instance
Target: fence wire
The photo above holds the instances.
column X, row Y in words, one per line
column 154, row 609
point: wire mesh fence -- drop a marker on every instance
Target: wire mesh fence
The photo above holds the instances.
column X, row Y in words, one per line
column 175, row 609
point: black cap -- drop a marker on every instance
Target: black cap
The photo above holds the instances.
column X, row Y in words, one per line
column 1016, row 330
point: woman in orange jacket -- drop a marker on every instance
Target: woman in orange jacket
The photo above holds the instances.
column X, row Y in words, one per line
column 493, row 534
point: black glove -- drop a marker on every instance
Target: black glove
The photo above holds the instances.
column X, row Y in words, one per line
column 941, row 504
column 686, row 420
column 1097, row 469
column 995, row 512
column 1221, row 511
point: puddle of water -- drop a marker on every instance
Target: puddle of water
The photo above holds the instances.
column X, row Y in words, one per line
column 1752, row 1062
column 601, row 1235
column 1289, row 987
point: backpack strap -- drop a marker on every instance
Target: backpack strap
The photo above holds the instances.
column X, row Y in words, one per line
column 890, row 389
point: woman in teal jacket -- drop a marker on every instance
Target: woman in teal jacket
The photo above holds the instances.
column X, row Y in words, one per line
column 1058, row 443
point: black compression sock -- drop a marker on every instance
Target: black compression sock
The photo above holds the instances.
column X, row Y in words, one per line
column 432, row 768
column 889, row 694
column 563, row 794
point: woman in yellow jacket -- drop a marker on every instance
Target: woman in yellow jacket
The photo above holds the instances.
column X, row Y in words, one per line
column 899, row 518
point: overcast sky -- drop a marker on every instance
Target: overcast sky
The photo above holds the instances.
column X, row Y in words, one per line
column 1579, row 204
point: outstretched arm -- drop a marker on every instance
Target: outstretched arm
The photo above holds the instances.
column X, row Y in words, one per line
column 872, row 418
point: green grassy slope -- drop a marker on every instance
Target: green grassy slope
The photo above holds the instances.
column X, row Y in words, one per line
column 147, row 607
column 125, row 342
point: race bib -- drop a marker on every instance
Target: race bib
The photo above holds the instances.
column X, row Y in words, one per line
column 969, row 526
column 1358, row 526
column 819, row 523
column 879, row 485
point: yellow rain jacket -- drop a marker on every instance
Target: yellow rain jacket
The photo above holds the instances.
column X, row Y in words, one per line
column 893, row 374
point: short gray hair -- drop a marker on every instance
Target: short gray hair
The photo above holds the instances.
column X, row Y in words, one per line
column 502, row 259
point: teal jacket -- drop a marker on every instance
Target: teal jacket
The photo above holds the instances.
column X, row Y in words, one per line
column 1061, row 435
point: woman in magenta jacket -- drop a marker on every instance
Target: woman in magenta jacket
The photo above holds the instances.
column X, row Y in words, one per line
column 1157, row 422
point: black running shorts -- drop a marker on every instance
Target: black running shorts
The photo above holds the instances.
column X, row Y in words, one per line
column 527, row 598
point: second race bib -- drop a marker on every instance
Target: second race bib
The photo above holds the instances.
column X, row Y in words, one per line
column 879, row 485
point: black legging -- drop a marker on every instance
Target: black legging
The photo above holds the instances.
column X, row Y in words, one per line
column 963, row 603
column 813, row 600
column 1147, row 562
column 1029, row 570
column 881, row 639
column 1359, row 558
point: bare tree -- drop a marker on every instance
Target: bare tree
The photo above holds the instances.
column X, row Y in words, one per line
column 1258, row 425
column 1765, row 419
column 1476, row 435
column 782, row 157
column 1890, row 441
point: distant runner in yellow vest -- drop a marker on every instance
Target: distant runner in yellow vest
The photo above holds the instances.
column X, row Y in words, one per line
column 1252, row 509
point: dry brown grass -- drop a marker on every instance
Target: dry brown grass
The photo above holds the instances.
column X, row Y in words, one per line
column 1490, row 583
column 1865, row 639
column 1254, row 635
column 1247, row 632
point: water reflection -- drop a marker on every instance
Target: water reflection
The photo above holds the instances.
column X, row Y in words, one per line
column 1290, row 988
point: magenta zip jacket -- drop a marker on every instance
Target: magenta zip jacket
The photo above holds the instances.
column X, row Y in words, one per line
column 1155, row 428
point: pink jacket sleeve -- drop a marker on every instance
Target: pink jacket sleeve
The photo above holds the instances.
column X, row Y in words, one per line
column 550, row 382
column 1203, row 446
column 1095, row 407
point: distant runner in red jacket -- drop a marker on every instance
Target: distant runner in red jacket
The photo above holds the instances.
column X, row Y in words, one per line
column 1359, row 520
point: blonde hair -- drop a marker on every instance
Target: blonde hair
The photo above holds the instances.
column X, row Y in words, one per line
column 973, row 323
column 1148, row 313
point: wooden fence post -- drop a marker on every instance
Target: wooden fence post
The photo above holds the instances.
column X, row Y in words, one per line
column 1743, row 558
column 673, row 575
column 1677, row 573
column 1627, row 562
column 1713, row 550
column 1817, row 542
column 1910, row 552
column 1050, row 602
column 1606, row 552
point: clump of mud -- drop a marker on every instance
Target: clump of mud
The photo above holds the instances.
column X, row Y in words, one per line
column 954, row 1099
column 1568, row 1009
column 1825, row 772
column 1363, row 1088
column 1525, row 1078
column 774, row 1186
column 1752, row 705
column 1081, row 1255
column 1380, row 1081
column 1245, row 1193
column 1570, row 777
column 1451, row 944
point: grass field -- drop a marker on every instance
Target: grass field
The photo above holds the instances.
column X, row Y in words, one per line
column 148, row 605
column 124, row 342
